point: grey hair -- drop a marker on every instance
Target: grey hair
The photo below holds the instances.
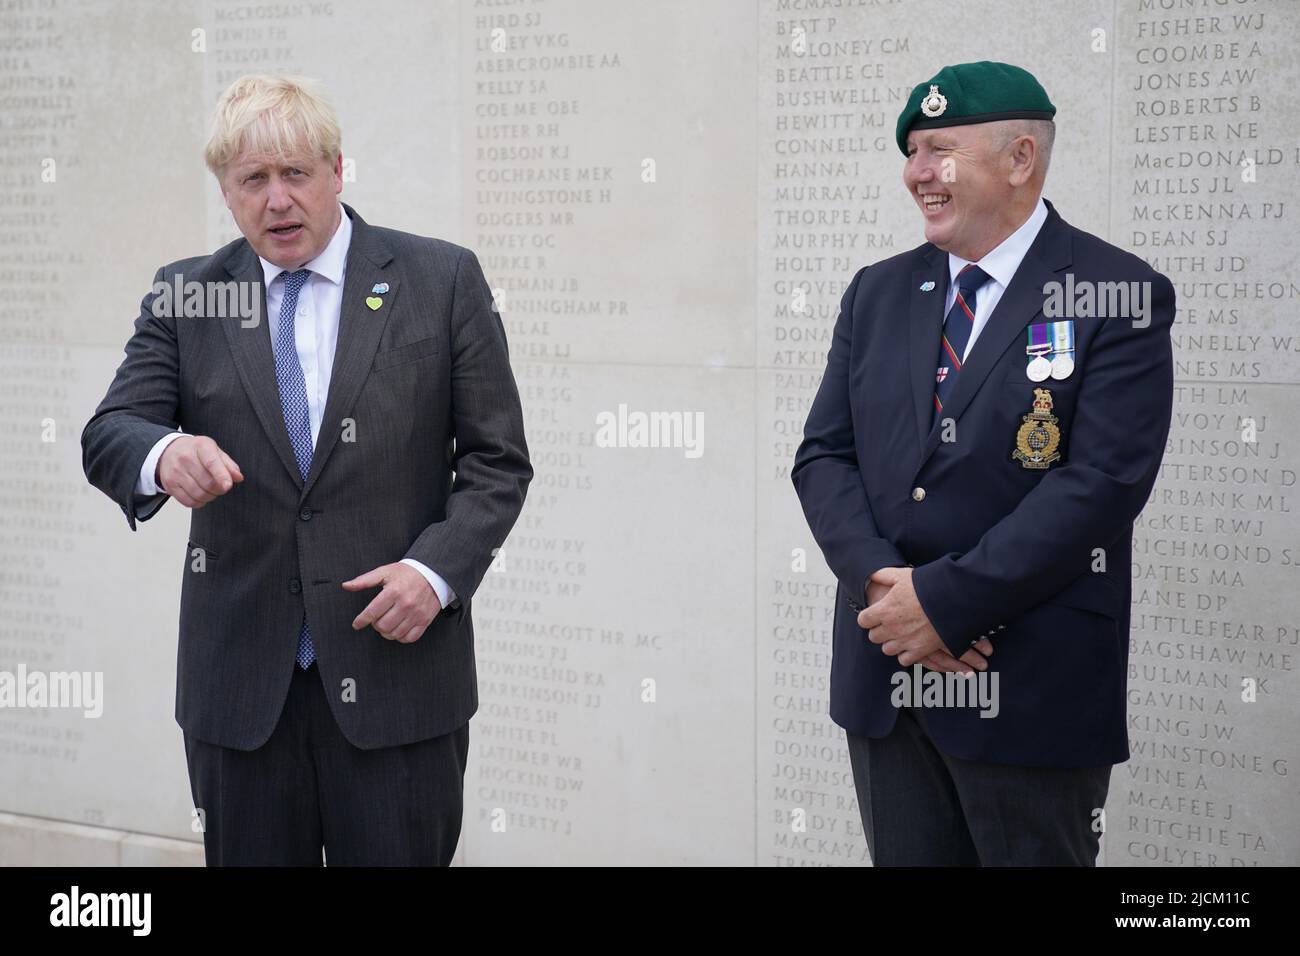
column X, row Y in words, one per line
column 1043, row 132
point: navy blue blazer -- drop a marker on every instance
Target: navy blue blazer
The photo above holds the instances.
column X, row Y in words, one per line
column 1042, row 553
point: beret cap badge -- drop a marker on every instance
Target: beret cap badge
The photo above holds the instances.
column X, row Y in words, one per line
column 981, row 92
column 934, row 103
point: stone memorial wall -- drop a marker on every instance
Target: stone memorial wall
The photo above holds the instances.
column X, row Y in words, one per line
column 668, row 200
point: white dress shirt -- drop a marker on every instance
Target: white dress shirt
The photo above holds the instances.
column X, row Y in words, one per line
column 1000, row 264
column 316, row 333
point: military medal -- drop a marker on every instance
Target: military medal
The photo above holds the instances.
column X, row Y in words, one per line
column 1039, row 367
column 1039, row 438
column 1062, row 349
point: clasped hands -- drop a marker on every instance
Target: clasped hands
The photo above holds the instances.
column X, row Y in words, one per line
column 897, row 622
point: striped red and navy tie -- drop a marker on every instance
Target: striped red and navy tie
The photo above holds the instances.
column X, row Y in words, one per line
column 956, row 333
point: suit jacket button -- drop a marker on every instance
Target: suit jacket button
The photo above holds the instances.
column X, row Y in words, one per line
column 295, row 586
column 918, row 494
column 305, row 514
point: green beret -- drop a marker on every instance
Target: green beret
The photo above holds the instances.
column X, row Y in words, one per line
column 973, row 93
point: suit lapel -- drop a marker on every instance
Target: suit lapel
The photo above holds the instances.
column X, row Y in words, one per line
column 925, row 322
column 255, row 360
column 1022, row 300
column 360, row 329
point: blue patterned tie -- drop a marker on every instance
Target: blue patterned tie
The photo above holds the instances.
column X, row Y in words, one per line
column 956, row 333
column 293, row 399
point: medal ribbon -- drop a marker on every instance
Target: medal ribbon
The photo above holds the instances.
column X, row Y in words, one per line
column 1063, row 337
column 1038, row 340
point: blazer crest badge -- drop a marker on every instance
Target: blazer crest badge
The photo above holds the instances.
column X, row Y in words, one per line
column 1039, row 437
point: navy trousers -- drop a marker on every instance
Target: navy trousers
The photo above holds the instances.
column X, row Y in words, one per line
column 921, row 807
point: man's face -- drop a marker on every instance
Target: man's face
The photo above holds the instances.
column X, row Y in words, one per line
column 959, row 181
column 286, row 207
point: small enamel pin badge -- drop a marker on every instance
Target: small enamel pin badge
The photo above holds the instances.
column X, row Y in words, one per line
column 380, row 288
column 374, row 302
column 927, row 286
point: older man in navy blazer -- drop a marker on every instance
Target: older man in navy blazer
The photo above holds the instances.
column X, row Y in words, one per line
column 991, row 421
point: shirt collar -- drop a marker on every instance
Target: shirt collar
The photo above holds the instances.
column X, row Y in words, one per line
column 1001, row 264
column 331, row 263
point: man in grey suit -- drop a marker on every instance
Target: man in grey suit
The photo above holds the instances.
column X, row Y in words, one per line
column 368, row 434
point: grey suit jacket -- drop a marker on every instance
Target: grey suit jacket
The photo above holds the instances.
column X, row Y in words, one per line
column 421, row 454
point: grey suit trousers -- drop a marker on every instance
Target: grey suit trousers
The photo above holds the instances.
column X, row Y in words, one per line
column 308, row 789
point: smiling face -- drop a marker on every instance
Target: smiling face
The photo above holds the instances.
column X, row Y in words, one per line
column 967, row 180
column 286, row 207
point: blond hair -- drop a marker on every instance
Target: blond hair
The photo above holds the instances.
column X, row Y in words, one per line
column 272, row 117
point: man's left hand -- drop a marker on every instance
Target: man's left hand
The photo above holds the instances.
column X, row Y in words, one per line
column 403, row 609
column 897, row 621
